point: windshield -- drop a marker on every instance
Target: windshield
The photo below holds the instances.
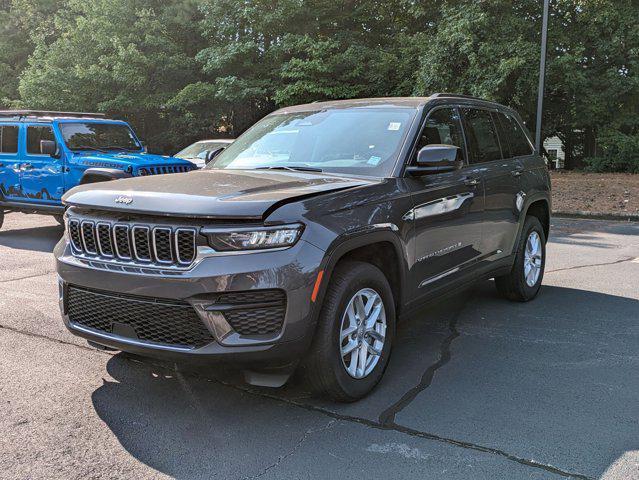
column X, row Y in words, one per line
column 360, row 141
column 99, row 136
column 199, row 149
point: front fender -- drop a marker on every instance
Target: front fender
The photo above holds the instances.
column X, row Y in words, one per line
column 349, row 241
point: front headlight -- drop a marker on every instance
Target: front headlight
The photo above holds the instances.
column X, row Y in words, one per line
column 258, row 238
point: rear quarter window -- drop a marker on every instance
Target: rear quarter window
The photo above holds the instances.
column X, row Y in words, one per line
column 518, row 140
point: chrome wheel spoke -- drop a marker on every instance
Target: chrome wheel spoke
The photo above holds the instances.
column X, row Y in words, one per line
column 375, row 335
column 349, row 347
column 372, row 350
column 362, row 333
column 533, row 259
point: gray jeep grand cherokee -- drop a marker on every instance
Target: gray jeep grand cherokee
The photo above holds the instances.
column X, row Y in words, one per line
column 307, row 238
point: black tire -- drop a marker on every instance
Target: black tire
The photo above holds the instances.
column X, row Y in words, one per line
column 323, row 367
column 513, row 286
column 59, row 219
column 1, row 218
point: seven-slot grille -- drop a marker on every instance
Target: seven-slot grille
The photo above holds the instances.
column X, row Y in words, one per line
column 160, row 170
column 140, row 243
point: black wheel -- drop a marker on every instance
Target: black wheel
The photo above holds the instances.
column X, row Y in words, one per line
column 354, row 335
column 59, row 219
column 1, row 217
column 523, row 282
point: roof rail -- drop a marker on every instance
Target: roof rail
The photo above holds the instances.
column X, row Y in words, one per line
column 456, row 95
column 46, row 113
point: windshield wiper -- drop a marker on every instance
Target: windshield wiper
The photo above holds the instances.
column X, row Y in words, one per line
column 88, row 147
column 117, row 147
column 291, row 168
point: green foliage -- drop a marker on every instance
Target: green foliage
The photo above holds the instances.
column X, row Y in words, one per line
column 182, row 70
column 619, row 152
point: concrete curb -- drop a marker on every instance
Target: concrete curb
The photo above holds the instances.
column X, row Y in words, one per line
column 625, row 217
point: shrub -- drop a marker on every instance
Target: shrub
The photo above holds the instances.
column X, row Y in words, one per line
column 619, row 153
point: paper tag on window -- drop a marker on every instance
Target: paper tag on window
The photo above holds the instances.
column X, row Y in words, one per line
column 374, row 160
column 394, row 126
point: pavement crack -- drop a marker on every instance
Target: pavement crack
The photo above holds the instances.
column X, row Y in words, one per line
column 623, row 260
column 331, row 414
column 387, row 417
column 297, row 446
column 8, row 280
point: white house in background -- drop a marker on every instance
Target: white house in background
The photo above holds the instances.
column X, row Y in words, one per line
column 555, row 149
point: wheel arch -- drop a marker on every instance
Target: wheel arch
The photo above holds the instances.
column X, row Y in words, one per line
column 381, row 248
column 539, row 208
column 94, row 175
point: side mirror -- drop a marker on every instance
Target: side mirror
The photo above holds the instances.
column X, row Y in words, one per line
column 48, row 147
column 211, row 154
column 436, row 159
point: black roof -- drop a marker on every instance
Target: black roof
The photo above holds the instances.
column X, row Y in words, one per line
column 384, row 101
column 47, row 114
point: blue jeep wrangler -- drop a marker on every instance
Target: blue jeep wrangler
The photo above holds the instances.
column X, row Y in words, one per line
column 44, row 154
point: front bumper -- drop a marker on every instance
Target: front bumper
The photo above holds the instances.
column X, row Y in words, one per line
column 292, row 271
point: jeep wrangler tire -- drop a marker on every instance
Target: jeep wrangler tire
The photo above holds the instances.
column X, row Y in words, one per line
column 358, row 314
column 524, row 280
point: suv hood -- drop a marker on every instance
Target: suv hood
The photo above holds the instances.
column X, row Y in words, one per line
column 222, row 194
column 124, row 159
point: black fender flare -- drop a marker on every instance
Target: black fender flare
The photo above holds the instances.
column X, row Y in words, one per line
column 102, row 175
column 350, row 241
column 529, row 201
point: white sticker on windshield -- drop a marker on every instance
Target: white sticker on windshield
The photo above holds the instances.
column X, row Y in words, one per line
column 374, row 160
column 394, row 126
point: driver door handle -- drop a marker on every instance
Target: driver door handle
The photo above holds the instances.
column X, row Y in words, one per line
column 471, row 181
column 26, row 166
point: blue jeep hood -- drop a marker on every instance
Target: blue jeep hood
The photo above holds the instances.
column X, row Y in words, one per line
column 124, row 159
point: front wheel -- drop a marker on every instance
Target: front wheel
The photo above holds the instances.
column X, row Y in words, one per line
column 354, row 336
column 1, row 217
column 524, row 280
column 59, row 219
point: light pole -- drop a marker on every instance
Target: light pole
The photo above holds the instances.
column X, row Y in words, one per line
column 542, row 75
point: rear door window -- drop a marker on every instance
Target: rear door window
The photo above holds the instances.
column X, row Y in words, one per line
column 481, row 134
column 9, row 139
column 35, row 135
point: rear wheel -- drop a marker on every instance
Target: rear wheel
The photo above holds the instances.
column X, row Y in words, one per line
column 524, row 280
column 354, row 335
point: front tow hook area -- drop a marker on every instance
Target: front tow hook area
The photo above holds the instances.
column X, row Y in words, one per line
column 271, row 377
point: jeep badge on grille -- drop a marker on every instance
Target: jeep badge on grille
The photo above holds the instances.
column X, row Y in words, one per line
column 124, row 199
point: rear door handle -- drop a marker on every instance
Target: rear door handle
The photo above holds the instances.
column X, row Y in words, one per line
column 517, row 172
column 471, row 181
column 26, row 166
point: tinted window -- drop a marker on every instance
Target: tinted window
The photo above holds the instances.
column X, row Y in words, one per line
column 519, row 143
column 503, row 130
column 481, row 134
column 443, row 126
column 34, row 135
column 8, row 139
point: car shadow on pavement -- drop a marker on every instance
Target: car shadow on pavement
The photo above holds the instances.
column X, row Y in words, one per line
column 554, row 380
column 38, row 239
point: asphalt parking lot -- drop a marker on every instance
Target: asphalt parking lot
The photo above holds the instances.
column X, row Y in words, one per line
column 478, row 388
